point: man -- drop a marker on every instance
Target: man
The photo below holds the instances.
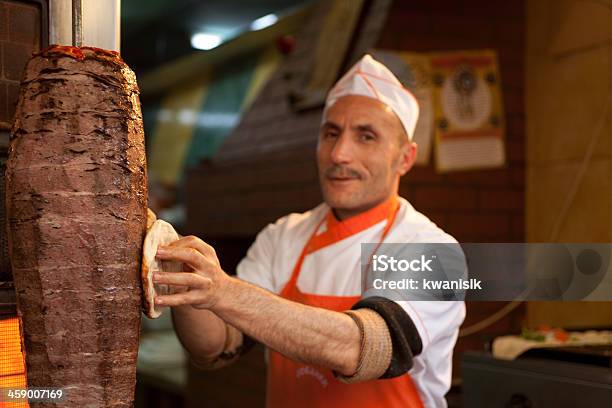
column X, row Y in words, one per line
column 298, row 290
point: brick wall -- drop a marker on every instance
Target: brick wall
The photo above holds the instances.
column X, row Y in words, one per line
column 475, row 206
column 483, row 205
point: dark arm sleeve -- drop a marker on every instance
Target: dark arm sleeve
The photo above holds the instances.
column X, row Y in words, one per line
column 405, row 338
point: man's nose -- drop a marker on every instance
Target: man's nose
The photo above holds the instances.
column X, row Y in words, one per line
column 342, row 150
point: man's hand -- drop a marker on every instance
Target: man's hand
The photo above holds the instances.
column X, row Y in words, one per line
column 202, row 283
column 303, row 333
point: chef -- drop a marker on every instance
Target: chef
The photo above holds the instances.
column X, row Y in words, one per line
column 298, row 290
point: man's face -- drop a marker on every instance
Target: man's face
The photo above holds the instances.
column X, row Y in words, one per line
column 362, row 152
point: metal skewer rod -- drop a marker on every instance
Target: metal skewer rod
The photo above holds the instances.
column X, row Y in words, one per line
column 77, row 23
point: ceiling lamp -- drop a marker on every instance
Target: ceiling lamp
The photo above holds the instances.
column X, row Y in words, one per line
column 205, row 41
column 264, row 22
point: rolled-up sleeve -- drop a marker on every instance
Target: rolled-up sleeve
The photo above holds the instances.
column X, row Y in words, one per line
column 257, row 266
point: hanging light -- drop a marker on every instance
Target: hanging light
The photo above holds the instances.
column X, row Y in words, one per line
column 205, row 41
column 264, row 22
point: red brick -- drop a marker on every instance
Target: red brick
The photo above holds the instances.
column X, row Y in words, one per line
column 479, row 227
column 24, row 24
column 12, row 97
column 512, row 77
column 480, row 178
column 303, row 198
column 416, row 43
column 422, row 174
column 518, row 175
column 231, row 226
column 501, row 200
column 515, row 151
column 514, row 102
column 388, row 40
column 412, row 21
column 515, row 127
column 509, row 31
column 4, row 117
column 444, row 198
column 467, row 27
column 14, row 57
column 3, row 22
column 406, row 191
column 507, row 10
column 518, row 228
column 283, row 176
column 447, row 42
column 439, row 218
column 509, row 56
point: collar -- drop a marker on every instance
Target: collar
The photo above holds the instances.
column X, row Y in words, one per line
column 338, row 230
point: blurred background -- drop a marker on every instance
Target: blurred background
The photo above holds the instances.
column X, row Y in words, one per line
column 514, row 140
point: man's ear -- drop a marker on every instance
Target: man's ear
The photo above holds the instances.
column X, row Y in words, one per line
column 408, row 155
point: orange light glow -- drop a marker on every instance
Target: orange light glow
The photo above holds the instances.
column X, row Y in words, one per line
column 12, row 367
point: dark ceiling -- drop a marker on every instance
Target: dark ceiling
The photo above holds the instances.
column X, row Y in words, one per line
column 157, row 31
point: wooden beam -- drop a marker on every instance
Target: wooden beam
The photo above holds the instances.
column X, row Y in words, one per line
column 333, row 43
column 192, row 65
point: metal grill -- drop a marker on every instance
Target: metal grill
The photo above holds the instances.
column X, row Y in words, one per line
column 12, row 366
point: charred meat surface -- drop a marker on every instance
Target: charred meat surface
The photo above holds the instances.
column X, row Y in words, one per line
column 77, row 210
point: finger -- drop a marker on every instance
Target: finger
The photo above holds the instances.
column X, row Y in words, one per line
column 180, row 279
column 192, row 297
column 182, row 241
column 192, row 241
column 188, row 256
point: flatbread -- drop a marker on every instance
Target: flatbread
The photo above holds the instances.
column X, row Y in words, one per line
column 160, row 233
column 151, row 218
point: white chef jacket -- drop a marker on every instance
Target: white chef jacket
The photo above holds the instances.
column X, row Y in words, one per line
column 335, row 270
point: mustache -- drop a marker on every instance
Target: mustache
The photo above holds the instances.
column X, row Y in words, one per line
column 342, row 172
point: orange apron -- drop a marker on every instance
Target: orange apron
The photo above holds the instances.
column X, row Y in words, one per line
column 292, row 384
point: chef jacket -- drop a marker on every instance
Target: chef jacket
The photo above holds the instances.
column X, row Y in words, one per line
column 336, row 270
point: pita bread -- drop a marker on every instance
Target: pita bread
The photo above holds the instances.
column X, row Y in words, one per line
column 160, row 233
column 151, row 218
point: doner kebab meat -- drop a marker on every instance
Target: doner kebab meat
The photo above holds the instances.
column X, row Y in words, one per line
column 77, row 217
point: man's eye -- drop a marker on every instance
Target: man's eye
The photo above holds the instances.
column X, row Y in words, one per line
column 366, row 137
column 331, row 135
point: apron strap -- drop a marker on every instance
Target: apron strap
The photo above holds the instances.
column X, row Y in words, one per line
column 309, row 247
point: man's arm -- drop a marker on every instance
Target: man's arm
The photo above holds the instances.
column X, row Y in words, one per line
column 201, row 332
column 308, row 334
column 303, row 333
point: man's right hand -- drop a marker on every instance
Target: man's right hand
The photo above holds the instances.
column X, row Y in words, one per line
column 202, row 284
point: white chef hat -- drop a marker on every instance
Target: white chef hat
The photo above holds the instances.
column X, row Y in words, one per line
column 369, row 77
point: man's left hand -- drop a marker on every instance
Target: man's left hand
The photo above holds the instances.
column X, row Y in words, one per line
column 203, row 280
